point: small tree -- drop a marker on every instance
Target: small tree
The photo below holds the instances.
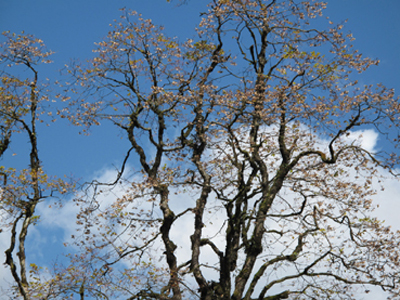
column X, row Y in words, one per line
column 248, row 132
column 21, row 106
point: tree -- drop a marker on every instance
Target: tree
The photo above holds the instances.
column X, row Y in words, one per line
column 254, row 131
column 22, row 102
column 249, row 132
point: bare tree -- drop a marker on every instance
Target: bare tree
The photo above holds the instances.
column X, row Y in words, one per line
column 22, row 190
column 250, row 133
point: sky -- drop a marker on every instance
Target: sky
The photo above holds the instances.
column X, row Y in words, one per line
column 70, row 29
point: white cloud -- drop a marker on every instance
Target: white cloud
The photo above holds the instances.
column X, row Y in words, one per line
column 5, row 273
column 367, row 139
column 388, row 201
column 65, row 217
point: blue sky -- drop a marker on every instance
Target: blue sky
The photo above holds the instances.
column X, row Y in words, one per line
column 71, row 27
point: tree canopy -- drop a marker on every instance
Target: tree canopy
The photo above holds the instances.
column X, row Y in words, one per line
column 246, row 175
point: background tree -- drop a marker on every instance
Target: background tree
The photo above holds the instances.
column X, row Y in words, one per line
column 22, row 190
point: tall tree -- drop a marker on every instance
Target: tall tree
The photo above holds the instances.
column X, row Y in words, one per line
column 248, row 132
